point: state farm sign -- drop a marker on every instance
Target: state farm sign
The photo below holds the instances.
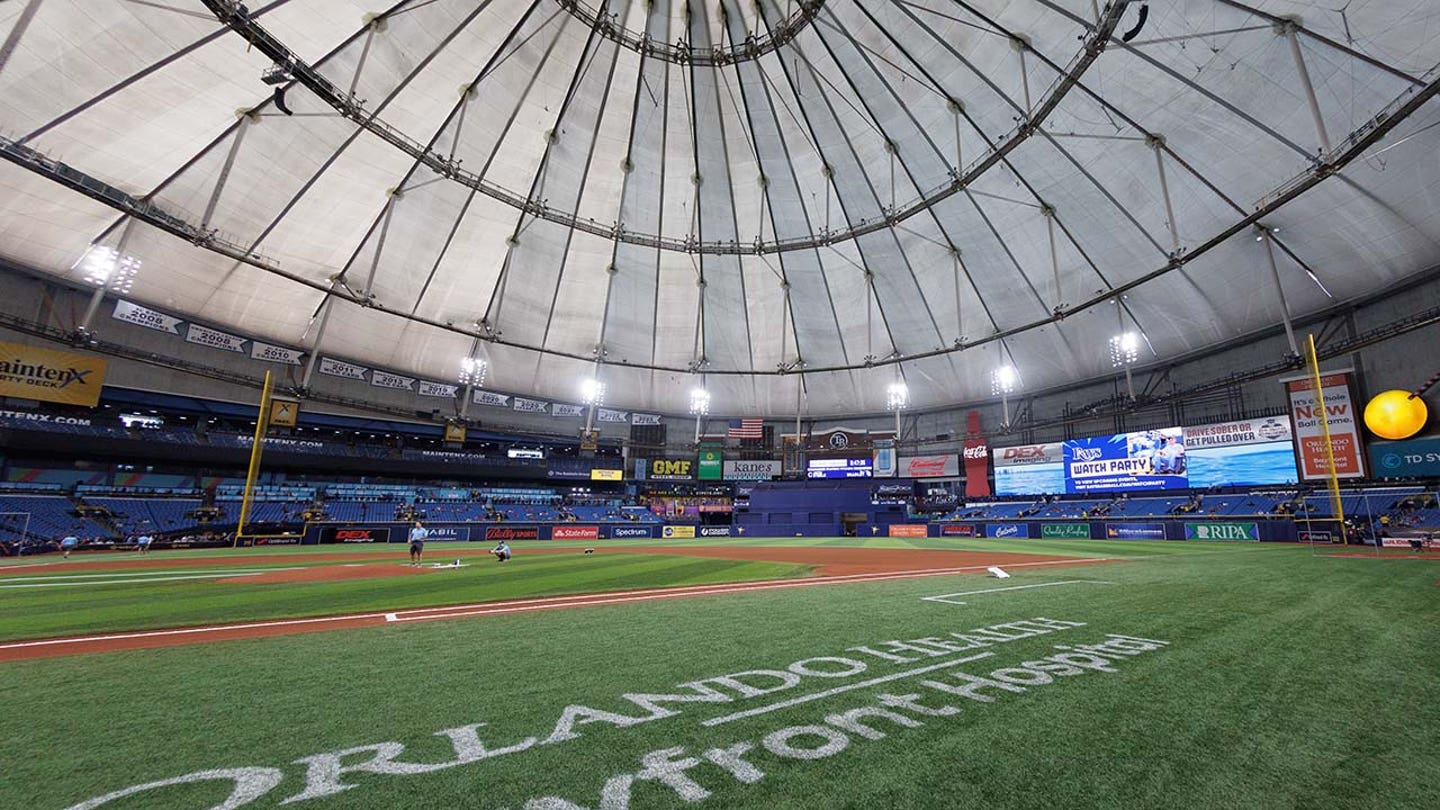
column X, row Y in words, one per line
column 575, row 533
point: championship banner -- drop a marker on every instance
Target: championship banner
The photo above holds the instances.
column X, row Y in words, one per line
column 490, row 398
column 214, row 338
column 455, row 432
column 148, row 318
column 1309, row 429
column 884, row 455
column 559, row 409
column 434, row 389
column 946, row 466
column 29, row 372
column 274, row 354
column 284, row 413
column 339, row 368
column 606, row 415
column 384, row 379
column 644, row 418
column 531, row 405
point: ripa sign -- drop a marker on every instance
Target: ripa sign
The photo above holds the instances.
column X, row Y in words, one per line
column 1222, row 531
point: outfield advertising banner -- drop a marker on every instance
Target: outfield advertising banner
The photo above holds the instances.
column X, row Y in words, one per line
column 957, row 530
column 448, row 533
column 575, row 533
column 28, row 372
column 1010, row 530
column 945, row 466
column 630, row 532
column 714, row 531
column 494, row 534
column 1067, row 531
column 1249, row 452
column 1029, row 469
column 341, row 534
column 1412, row 458
column 1149, row 459
column 1309, row 426
column 1135, row 531
column 909, row 530
column 678, row 532
column 1223, row 531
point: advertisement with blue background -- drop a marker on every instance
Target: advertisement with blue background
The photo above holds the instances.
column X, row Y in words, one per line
column 1413, row 458
column 1248, row 452
column 1007, row 530
column 1149, row 459
column 1135, row 531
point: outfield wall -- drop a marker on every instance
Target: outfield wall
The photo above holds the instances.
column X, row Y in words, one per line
column 399, row 532
column 1282, row 530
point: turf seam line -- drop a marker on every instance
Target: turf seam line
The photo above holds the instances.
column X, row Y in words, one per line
column 785, row 704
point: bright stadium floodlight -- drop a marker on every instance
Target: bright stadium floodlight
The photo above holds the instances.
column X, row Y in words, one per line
column 592, row 392
column 897, row 396
column 1124, row 349
column 106, row 268
column 699, row 401
column 472, row 371
column 1003, row 380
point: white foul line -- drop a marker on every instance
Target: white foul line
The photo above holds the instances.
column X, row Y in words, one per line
column 945, row 597
column 140, row 576
column 142, row 580
column 784, row 704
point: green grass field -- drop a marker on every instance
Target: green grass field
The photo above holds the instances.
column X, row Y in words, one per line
column 1287, row 680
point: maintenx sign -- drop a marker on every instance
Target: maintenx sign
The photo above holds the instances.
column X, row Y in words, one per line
column 1222, row 531
column 29, row 372
column 671, row 469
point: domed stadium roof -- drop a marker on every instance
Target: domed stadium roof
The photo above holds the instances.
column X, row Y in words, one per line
column 747, row 188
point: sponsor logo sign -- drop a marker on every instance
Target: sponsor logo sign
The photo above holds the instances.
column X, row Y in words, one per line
column 455, row 432
column 559, row 409
column 498, row 533
column 1072, row 531
column 1231, row 434
column 575, row 533
column 29, row 372
column 1222, row 531
column 751, row 470
column 530, row 405
column 671, row 469
column 1316, row 537
column 1026, row 454
column 710, row 466
column 885, row 461
column 909, row 530
column 1007, row 530
column 490, row 398
column 29, row 416
column 1412, row 458
column 148, row 318
column 622, row 532
column 340, row 368
column 607, row 415
column 384, row 379
column 284, row 413
column 1309, row 425
column 434, row 389
column 448, row 533
column 946, row 466
column 337, row 534
column 957, row 530
column 271, row 353
column 644, row 419
column 714, row 531
column 214, row 338
column 1135, row 531
column 977, row 468
column 598, row 474
column 678, row 532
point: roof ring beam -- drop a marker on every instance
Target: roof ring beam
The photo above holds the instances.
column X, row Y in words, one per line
column 681, row 52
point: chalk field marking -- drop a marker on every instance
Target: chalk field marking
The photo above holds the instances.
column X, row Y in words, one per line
column 123, row 574
column 945, row 597
column 543, row 603
column 785, row 704
column 139, row 580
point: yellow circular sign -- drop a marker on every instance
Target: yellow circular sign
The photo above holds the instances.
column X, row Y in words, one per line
column 1395, row 415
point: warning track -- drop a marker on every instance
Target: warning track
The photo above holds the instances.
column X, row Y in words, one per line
column 145, row 639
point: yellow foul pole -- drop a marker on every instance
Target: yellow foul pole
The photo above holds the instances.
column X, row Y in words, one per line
column 1335, row 503
column 262, row 423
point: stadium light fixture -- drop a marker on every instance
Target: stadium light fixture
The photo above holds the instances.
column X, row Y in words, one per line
column 592, row 392
column 1003, row 380
column 699, row 401
column 1124, row 349
column 897, row 396
column 106, row 268
column 472, row 371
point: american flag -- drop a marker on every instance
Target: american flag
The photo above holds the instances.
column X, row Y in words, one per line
column 746, row 429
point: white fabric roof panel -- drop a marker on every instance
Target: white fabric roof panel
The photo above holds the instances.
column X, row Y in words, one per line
column 837, row 115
